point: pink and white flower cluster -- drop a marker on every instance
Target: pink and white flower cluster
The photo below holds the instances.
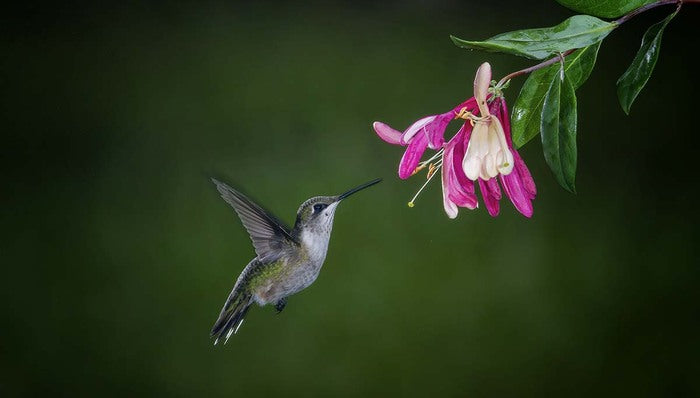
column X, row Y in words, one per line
column 481, row 151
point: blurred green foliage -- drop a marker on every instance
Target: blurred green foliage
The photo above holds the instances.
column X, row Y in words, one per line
column 117, row 252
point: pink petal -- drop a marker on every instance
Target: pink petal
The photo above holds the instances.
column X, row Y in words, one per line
column 520, row 187
column 461, row 194
column 386, row 133
column 491, row 194
column 436, row 130
column 450, row 207
column 525, row 177
column 459, row 152
column 470, row 104
column 515, row 191
column 434, row 125
column 412, row 156
column 494, row 188
column 417, row 126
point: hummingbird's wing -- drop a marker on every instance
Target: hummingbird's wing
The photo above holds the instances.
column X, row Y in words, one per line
column 269, row 235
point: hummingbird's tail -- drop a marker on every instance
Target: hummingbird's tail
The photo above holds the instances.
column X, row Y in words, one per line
column 231, row 316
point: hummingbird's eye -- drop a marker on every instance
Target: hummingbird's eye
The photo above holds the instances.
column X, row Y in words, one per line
column 319, row 206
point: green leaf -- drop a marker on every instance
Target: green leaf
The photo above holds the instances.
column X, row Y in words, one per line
column 559, row 131
column 579, row 64
column 527, row 112
column 576, row 32
column 638, row 73
column 604, row 8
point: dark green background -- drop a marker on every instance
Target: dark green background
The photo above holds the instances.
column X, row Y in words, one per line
column 117, row 252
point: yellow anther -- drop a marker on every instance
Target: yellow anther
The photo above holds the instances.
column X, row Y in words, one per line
column 473, row 119
column 431, row 170
column 418, row 169
column 411, row 204
column 461, row 114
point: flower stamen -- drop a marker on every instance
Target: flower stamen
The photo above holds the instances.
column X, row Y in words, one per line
column 437, row 155
column 472, row 118
column 431, row 170
column 418, row 169
column 427, row 163
column 461, row 113
column 430, row 177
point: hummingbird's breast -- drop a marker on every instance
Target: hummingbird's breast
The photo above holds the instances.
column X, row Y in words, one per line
column 297, row 272
column 314, row 247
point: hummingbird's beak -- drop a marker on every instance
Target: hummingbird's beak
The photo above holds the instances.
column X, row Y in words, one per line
column 359, row 188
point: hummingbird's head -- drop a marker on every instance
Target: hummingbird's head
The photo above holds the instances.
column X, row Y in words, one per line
column 316, row 214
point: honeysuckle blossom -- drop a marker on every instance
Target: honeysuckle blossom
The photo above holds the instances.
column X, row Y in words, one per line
column 488, row 154
column 481, row 151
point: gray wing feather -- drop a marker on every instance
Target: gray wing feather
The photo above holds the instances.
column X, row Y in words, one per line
column 269, row 235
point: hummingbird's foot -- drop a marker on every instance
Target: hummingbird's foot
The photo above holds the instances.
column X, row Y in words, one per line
column 281, row 304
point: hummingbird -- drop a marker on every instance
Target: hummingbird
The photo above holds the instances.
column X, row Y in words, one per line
column 287, row 260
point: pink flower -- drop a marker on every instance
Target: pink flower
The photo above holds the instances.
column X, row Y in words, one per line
column 423, row 133
column 482, row 150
